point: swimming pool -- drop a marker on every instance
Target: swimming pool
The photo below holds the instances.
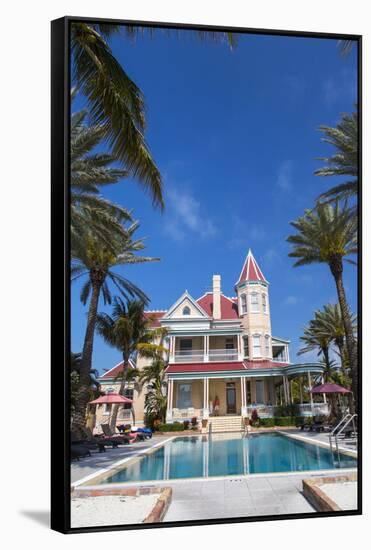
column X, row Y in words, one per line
column 227, row 455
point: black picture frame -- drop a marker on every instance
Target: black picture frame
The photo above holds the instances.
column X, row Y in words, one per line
column 60, row 271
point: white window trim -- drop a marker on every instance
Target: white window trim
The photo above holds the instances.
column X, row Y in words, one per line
column 257, row 305
column 267, row 345
column 265, row 297
column 243, row 304
column 253, row 346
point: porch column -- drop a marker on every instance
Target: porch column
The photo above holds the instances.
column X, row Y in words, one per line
column 172, row 348
column 301, row 389
column 169, row 410
column 206, row 347
column 310, row 387
column 206, row 399
column 285, row 390
column 243, row 397
column 324, row 395
column 239, row 347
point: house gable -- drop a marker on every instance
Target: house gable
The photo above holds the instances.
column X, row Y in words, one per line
column 185, row 308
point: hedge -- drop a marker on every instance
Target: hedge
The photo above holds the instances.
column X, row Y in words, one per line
column 174, row 427
column 282, row 421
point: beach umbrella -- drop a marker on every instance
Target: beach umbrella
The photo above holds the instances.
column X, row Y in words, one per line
column 111, row 399
column 329, row 388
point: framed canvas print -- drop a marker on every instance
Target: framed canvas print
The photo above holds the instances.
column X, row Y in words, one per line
column 206, row 338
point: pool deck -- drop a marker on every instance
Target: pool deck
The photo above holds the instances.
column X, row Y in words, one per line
column 197, row 499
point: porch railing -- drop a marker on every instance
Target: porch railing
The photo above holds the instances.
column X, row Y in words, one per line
column 198, row 355
column 308, row 409
column 262, row 410
column 186, row 414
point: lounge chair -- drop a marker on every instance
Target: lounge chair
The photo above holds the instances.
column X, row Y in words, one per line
column 124, row 439
column 99, row 439
column 90, row 445
column 143, row 433
column 79, row 451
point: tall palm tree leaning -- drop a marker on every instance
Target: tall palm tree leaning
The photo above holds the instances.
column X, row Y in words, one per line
column 344, row 137
column 88, row 173
column 98, row 264
column 129, row 331
column 328, row 234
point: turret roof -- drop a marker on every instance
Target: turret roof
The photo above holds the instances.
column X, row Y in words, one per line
column 251, row 271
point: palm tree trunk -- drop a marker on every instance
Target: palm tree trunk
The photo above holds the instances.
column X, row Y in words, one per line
column 115, row 408
column 351, row 345
column 83, row 392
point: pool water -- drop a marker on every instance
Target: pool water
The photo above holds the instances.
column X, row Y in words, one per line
column 229, row 454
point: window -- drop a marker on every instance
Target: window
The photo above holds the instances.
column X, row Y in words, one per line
column 185, row 346
column 259, row 387
column 243, row 304
column 246, row 346
column 264, row 303
column 184, row 396
column 254, row 300
column 267, row 346
column 256, row 346
column 129, row 393
column 229, row 343
column 186, row 311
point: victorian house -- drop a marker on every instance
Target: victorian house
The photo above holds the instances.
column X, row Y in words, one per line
column 224, row 360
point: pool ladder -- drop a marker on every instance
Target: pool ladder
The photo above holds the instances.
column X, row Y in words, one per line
column 339, row 430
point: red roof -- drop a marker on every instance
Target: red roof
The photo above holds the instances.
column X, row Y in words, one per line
column 251, row 271
column 205, row 367
column 175, row 368
column 112, row 373
column 228, row 307
column 111, row 399
column 155, row 316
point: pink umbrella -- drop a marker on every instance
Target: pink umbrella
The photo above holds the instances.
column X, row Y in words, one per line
column 329, row 388
column 111, row 399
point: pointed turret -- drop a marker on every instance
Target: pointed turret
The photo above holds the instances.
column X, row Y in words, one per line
column 251, row 271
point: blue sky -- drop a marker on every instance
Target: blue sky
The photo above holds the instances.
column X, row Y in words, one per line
column 235, row 135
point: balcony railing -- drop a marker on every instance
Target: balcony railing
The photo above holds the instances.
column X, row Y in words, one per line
column 198, row 355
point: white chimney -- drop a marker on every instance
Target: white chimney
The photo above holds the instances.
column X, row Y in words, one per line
column 216, row 297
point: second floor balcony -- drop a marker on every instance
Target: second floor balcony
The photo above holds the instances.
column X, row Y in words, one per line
column 201, row 349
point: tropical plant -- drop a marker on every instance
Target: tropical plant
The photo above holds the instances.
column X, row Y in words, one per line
column 329, row 323
column 89, row 172
column 315, row 341
column 344, row 138
column 98, row 264
column 328, row 234
column 129, row 331
column 75, row 363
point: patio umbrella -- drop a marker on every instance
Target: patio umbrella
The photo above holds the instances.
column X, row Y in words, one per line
column 329, row 388
column 111, row 399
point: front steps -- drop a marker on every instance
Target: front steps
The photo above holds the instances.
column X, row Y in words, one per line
column 217, row 424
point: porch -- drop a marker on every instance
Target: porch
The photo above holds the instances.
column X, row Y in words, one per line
column 213, row 396
column 205, row 348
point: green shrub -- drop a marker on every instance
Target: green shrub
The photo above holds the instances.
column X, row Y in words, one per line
column 266, row 422
column 174, row 427
column 284, row 421
column 286, row 410
column 186, row 424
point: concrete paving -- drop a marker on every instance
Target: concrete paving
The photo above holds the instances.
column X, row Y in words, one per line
column 239, row 497
column 92, row 464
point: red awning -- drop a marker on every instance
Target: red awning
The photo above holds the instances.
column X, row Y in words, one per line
column 111, row 399
column 329, row 388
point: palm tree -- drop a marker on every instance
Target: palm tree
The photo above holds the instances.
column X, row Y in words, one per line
column 344, row 137
column 75, row 364
column 93, row 260
column 153, row 376
column 129, row 331
column 115, row 102
column 315, row 341
column 328, row 235
column 89, row 172
column 329, row 323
